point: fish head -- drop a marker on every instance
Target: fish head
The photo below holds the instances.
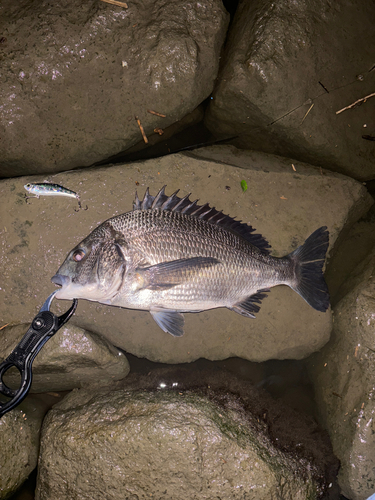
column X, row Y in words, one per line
column 95, row 268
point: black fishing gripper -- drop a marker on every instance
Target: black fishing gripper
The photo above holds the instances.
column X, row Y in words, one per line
column 42, row 328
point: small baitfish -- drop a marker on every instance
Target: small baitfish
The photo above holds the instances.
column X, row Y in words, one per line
column 170, row 255
column 49, row 189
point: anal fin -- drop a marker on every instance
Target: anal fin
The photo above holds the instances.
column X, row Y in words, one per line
column 250, row 305
column 169, row 321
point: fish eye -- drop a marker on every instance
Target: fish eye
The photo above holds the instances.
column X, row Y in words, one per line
column 78, row 255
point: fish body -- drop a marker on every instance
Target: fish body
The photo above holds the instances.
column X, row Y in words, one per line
column 170, row 255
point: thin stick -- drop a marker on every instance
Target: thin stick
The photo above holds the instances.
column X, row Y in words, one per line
column 116, row 2
column 307, row 112
column 354, row 103
column 156, row 113
column 142, row 130
column 4, row 326
column 325, row 88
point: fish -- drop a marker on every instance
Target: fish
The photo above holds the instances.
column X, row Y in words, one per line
column 170, row 256
column 49, row 189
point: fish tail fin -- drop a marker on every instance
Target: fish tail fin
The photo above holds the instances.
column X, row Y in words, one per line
column 308, row 261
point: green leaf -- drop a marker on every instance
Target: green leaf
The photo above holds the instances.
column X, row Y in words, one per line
column 244, row 185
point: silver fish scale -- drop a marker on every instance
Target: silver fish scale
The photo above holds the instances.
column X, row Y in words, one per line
column 157, row 236
column 189, row 235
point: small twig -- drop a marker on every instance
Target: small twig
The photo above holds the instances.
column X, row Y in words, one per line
column 307, row 112
column 325, row 88
column 337, row 395
column 372, row 350
column 354, row 103
column 142, row 130
column 156, row 113
column 116, row 2
column 4, row 326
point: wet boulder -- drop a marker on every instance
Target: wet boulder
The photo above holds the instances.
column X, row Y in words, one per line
column 73, row 357
column 286, row 201
column 78, row 75
column 19, row 442
column 297, row 80
column 167, row 444
column 354, row 249
column 343, row 374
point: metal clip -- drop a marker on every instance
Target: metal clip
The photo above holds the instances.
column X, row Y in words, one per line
column 43, row 327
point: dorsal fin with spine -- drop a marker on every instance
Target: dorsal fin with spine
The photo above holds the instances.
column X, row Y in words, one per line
column 183, row 205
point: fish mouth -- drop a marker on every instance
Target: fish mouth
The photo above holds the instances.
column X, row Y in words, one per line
column 60, row 279
column 65, row 283
column 91, row 290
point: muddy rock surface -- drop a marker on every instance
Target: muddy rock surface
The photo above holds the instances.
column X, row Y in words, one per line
column 354, row 249
column 77, row 75
column 75, row 78
column 288, row 68
column 284, row 205
column 19, row 443
column 344, row 375
column 172, row 444
column 72, row 358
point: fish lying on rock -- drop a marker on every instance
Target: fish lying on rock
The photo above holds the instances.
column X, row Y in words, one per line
column 170, row 255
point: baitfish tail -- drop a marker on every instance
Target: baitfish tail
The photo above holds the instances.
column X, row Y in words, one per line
column 308, row 262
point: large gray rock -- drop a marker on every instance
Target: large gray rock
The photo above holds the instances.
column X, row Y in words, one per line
column 344, row 374
column 19, row 443
column 353, row 250
column 282, row 204
column 166, row 444
column 282, row 58
column 76, row 74
column 72, row 358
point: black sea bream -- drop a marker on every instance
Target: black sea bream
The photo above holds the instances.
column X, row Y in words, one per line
column 170, row 255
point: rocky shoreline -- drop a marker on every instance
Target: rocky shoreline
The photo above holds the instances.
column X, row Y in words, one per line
column 293, row 90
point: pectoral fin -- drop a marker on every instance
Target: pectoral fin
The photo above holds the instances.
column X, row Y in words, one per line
column 168, row 274
column 250, row 305
column 169, row 321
